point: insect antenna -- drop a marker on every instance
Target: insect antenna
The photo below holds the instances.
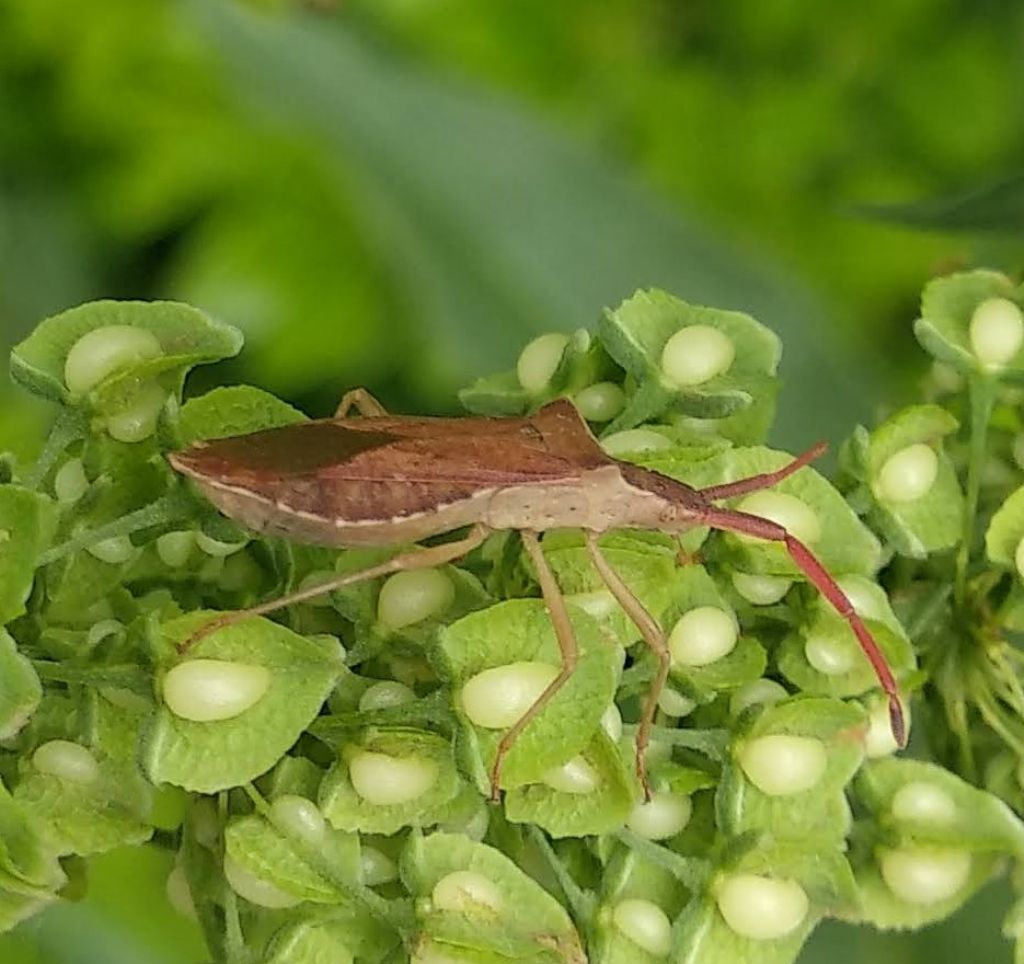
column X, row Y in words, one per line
column 765, row 480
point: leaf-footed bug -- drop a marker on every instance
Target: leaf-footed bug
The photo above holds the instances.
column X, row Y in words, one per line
column 383, row 480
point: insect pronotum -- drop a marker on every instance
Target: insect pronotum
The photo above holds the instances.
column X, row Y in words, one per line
column 383, row 480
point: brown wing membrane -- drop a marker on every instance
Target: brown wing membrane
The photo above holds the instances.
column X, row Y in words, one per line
column 366, row 468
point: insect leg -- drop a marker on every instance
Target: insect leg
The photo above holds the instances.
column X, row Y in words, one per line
column 765, row 480
column 420, row 558
column 730, row 520
column 555, row 602
column 655, row 639
column 362, row 401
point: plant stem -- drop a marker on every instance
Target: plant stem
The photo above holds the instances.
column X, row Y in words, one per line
column 123, row 676
column 234, row 939
column 68, row 427
column 982, row 395
column 169, row 508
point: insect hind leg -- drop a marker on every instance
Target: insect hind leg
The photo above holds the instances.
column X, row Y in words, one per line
column 419, row 558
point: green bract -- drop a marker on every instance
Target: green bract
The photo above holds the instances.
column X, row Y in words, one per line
column 20, row 689
column 533, row 917
column 933, row 520
column 819, row 810
column 822, row 875
column 1004, row 534
column 237, row 410
column 562, row 814
column 185, row 335
column 554, row 366
column 325, row 874
column 636, row 334
column 948, row 306
column 519, row 630
column 346, row 809
column 210, row 756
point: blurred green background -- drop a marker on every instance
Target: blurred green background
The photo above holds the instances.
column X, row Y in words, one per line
column 399, row 193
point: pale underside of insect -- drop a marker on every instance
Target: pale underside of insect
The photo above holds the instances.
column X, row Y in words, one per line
column 383, row 480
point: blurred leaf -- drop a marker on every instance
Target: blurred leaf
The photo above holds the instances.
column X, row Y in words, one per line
column 997, row 207
column 27, row 522
column 495, row 224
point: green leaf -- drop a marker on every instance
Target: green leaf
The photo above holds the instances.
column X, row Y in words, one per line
column 1005, row 531
column 977, row 820
column 947, row 305
column 235, row 410
column 531, row 912
column 319, row 875
column 636, row 332
column 471, row 232
column 820, row 812
column 860, row 678
column 27, row 524
column 332, row 936
column 20, row 689
column 994, row 207
column 207, row 757
column 187, row 336
column 579, row 814
column 346, row 810
column 520, row 630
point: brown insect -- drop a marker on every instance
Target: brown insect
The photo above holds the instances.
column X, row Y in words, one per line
column 384, row 480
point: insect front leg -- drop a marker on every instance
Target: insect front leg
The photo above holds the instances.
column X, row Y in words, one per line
column 566, row 636
column 653, row 635
column 765, row 480
column 421, row 558
column 729, row 520
column 362, row 401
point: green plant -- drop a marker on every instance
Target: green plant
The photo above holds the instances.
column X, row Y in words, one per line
column 323, row 777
